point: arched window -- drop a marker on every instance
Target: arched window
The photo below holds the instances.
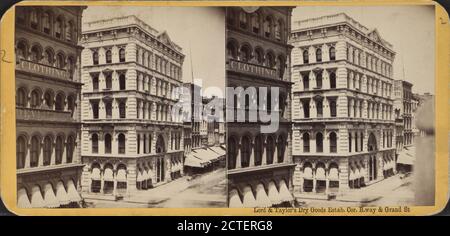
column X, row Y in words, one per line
column 279, row 30
column 58, row 28
column 34, row 19
column 108, row 108
column 319, row 142
column 34, row 152
column 122, row 143
column 107, row 143
column 270, row 150
column 332, row 80
column 270, row 61
column 268, row 24
column 108, row 81
column 305, row 56
column 122, row 55
column 318, row 55
column 46, row 22
column 305, row 105
column 70, row 147
column 281, row 146
column 59, row 102
column 108, row 56
column 319, row 80
column 49, row 57
column 305, row 80
column 35, row 99
column 256, row 25
column 21, row 98
column 333, row 142
column 319, row 108
column 60, row 61
column 47, row 150
column 36, row 53
column 122, row 110
column 243, row 22
column 21, row 146
column 305, row 142
column 246, row 150
column 69, row 30
column 122, row 81
column 70, row 104
column 245, row 53
column 95, row 143
column 259, row 56
column 95, row 58
column 160, row 145
column 333, row 108
column 232, row 152
column 59, row 146
column 332, row 52
column 231, row 50
column 350, row 140
column 21, row 50
column 258, row 150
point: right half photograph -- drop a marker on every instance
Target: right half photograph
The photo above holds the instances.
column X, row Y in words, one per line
column 330, row 106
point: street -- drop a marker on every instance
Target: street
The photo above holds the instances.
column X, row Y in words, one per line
column 393, row 191
column 206, row 190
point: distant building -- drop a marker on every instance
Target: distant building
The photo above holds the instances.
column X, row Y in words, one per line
column 403, row 105
column 130, row 140
column 343, row 131
column 48, row 98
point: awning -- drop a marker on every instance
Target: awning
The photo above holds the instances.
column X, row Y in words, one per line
column 140, row 176
column 334, row 174
column 74, row 196
column 307, row 173
column 36, row 198
column 193, row 161
column 108, row 175
column 49, row 197
column 95, row 174
column 22, row 199
column 320, row 173
column 249, row 199
column 235, row 200
column 273, row 194
column 61, row 194
column 205, row 155
column 261, row 197
column 218, row 150
column 352, row 175
column 121, row 175
column 405, row 158
column 285, row 194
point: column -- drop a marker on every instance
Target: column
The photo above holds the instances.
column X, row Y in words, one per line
column 350, row 111
column 263, row 151
column 141, row 145
column 53, row 157
column 238, row 156
column 28, row 156
column 252, row 153
column 102, row 183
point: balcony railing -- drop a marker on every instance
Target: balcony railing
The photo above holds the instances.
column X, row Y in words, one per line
column 42, row 69
column 23, row 113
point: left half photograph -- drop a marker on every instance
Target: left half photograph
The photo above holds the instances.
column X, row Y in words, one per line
column 120, row 107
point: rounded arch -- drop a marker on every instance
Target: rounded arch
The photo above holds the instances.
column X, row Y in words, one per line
column 122, row 143
column 333, row 141
column 246, row 150
column 245, row 52
column 36, row 52
column 160, row 144
column 319, row 142
column 270, row 147
column 258, row 149
column 281, row 148
column 372, row 143
column 22, row 48
column 21, row 151
column 60, row 101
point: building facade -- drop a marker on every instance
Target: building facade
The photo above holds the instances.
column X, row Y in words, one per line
column 403, row 108
column 259, row 164
column 48, row 95
column 343, row 129
column 130, row 139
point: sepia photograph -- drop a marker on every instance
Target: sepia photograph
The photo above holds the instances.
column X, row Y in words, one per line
column 97, row 89
column 354, row 106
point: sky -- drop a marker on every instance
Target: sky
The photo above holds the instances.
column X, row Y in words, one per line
column 200, row 31
column 410, row 29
